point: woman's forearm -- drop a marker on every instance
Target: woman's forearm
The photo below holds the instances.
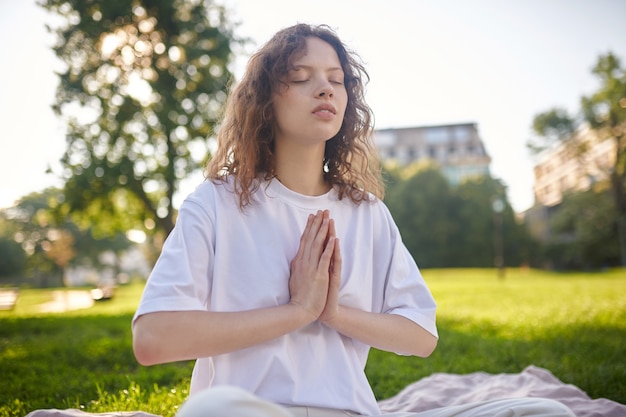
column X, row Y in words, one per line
column 389, row 332
column 163, row 337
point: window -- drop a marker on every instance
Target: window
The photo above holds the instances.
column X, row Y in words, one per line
column 384, row 139
column 436, row 135
column 462, row 133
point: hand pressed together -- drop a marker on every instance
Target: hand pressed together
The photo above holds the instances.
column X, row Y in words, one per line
column 316, row 268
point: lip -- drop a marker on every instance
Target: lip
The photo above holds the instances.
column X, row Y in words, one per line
column 325, row 108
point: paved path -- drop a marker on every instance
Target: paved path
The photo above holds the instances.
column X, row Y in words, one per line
column 67, row 300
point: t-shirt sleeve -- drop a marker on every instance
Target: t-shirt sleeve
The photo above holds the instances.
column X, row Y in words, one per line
column 181, row 277
column 406, row 293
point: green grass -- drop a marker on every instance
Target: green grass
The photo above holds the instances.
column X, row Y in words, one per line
column 572, row 324
column 81, row 359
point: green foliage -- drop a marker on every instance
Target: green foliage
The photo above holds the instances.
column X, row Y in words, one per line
column 41, row 240
column 420, row 207
column 572, row 324
column 605, row 113
column 143, row 85
column 554, row 125
column 473, row 212
column 454, row 226
column 38, row 241
column 33, row 225
column 12, row 258
column 605, row 110
column 584, row 231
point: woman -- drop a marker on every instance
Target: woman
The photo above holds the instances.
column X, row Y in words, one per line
column 285, row 267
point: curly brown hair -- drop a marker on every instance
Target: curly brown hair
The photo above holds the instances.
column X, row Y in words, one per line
column 246, row 135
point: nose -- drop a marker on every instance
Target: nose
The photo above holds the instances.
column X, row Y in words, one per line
column 326, row 90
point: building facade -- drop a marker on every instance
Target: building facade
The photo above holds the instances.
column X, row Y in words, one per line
column 572, row 166
column 456, row 148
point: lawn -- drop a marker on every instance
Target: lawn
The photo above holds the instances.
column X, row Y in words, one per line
column 573, row 324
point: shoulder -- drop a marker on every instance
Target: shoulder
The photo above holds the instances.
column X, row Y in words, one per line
column 377, row 207
column 371, row 212
column 211, row 189
column 202, row 195
column 381, row 217
column 208, row 195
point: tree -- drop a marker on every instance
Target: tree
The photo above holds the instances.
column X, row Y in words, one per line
column 143, row 86
column 604, row 112
column 34, row 226
column 48, row 239
column 12, row 258
column 455, row 226
column 486, row 224
column 585, row 231
column 419, row 201
column 553, row 126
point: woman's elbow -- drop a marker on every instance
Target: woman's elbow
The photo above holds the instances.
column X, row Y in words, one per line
column 427, row 347
column 144, row 345
column 424, row 343
column 142, row 353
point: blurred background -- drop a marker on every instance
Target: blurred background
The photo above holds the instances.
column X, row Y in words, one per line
column 499, row 124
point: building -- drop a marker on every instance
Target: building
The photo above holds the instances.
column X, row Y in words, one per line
column 456, row 148
column 572, row 166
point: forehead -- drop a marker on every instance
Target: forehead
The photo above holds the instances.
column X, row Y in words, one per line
column 317, row 52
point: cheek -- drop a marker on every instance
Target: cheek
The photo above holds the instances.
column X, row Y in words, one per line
column 342, row 96
column 283, row 101
column 344, row 103
column 279, row 104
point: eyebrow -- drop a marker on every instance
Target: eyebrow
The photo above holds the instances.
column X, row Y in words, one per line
column 309, row 67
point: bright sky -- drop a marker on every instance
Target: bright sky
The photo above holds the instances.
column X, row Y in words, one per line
column 493, row 62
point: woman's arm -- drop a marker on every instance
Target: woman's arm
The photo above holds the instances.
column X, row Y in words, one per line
column 390, row 332
column 171, row 336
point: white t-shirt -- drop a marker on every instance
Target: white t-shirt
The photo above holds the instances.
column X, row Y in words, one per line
column 220, row 258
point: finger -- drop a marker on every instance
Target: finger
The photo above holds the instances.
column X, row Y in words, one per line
column 323, row 227
column 327, row 256
column 336, row 263
column 304, row 236
column 334, row 284
column 316, row 222
column 310, row 232
column 331, row 229
column 321, row 238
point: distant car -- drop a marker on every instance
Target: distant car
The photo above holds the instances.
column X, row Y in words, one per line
column 102, row 293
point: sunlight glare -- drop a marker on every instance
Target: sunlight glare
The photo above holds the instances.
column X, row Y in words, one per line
column 110, row 43
column 137, row 236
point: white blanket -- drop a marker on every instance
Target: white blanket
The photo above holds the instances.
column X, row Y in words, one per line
column 441, row 389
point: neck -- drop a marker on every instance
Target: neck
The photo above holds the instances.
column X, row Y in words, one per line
column 302, row 171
